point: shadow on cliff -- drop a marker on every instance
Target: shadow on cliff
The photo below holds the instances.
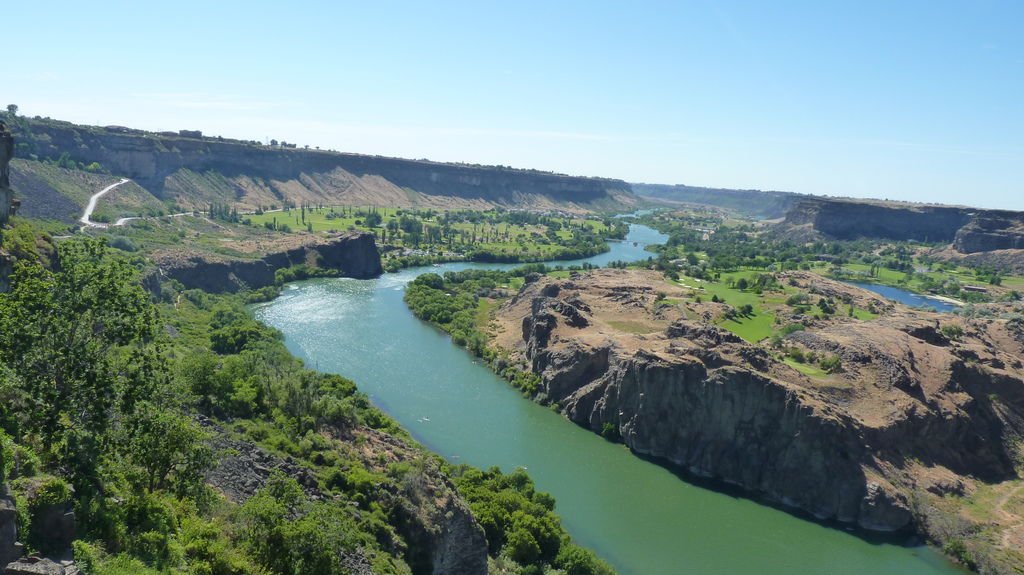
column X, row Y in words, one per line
column 907, row 537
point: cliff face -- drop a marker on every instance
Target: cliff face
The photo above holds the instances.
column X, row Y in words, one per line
column 352, row 254
column 439, row 535
column 970, row 231
column 169, row 165
column 911, row 410
column 990, row 231
column 846, row 220
column 754, row 203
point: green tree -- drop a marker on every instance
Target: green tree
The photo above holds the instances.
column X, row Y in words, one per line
column 12, row 110
column 167, row 448
column 80, row 341
column 522, row 547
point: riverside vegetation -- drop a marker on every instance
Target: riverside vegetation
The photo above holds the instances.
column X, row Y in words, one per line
column 118, row 404
column 422, row 236
column 806, row 332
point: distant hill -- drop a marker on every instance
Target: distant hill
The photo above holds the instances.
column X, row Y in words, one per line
column 753, row 203
column 187, row 170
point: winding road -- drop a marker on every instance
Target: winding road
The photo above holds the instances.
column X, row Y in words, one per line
column 86, row 218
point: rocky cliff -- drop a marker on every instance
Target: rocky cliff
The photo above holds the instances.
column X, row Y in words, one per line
column 911, row 411
column 991, row 231
column 753, row 203
column 850, row 219
column 193, row 170
column 969, row 230
column 439, row 535
column 352, row 254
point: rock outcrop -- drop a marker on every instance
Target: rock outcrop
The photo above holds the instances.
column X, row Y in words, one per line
column 172, row 164
column 969, row 230
column 10, row 548
column 754, row 203
column 439, row 534
column 352, row 254
column 850, row 448
column 7, row 201
column 852, row 219
column 41, row 566
column 990, row 231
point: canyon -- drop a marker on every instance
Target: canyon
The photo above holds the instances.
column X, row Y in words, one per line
column 914, row 417
column 190, row 170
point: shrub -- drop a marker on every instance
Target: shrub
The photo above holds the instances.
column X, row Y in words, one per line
column 831, row 364
column 953, row 331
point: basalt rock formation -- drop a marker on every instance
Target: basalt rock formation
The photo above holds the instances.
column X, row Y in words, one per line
column 7, row 202
column 990, row 231
column 753, row 203
column 912, row 410
column 8, row 205
column 10, row 548
column 852, row 219
column 352, row 254
column 969, row 230
column 193, row 170
column 439, row 535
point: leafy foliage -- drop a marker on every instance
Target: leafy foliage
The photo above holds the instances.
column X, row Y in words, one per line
column 520, row 522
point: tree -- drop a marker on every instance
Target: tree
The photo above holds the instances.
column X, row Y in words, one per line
column 832, row 364
column 81, row 342
column 166, row 447
column 12, row 110
column 522, row 547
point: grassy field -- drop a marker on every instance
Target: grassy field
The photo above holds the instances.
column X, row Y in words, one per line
column 754, row 327
column 810, row 370
column 524, row 241
column 964, row 276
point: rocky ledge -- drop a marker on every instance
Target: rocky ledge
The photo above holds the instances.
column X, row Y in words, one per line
column 439, row 534
column 352, row 254
column 967, row 230
column 912, row 410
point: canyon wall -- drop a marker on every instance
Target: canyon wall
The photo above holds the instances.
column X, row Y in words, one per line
column 911, row 411
column 968, row 230
column 849, row 219
column 167, row 163
column 753, row 203
column 351, row 254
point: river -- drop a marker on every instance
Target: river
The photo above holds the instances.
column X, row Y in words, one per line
column 907, row 297
column 638, row 516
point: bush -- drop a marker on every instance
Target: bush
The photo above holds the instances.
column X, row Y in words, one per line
column 123, row 243
column 953, row 331
column 796, row 354
column 831, row 364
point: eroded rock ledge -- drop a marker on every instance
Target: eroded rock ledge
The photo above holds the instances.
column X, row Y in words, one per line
column 353, row 254
column 913, row 410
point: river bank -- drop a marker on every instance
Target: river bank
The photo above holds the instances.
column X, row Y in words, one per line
column 637, row 515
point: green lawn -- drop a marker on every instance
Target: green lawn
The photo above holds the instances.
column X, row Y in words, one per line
column 810, row 370
column 754, row 328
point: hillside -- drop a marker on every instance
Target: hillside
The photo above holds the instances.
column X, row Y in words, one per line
column 989, row 237
column 753, row 203
column 845, row 443
column 186, row 170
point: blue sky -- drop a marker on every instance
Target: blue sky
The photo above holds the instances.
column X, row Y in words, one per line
column 913, row 100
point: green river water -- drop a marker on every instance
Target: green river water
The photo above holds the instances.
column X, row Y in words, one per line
column 638, row 516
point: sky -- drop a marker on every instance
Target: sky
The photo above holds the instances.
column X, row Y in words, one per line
column 918, row 100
